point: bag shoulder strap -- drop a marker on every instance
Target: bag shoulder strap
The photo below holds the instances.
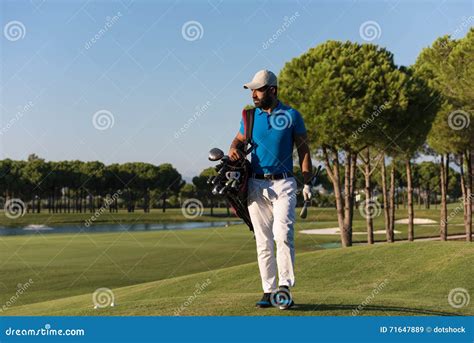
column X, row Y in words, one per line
column 248, row 117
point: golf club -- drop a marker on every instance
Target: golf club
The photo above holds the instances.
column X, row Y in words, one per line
column 304, row 210
column 215, row 154
column 231, row 182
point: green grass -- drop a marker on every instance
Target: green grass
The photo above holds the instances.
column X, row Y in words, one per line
column 416, row 279
column 67, row 265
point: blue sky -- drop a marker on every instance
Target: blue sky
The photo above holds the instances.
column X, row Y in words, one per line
column 172, row 94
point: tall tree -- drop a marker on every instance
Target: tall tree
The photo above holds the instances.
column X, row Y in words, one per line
column 416, row 122
column 447, row 68
column 336, row 86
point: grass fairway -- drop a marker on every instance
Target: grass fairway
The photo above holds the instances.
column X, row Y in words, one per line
column 69, row 265
column 416, row 279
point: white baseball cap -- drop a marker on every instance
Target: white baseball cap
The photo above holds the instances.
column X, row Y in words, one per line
column 262, row 78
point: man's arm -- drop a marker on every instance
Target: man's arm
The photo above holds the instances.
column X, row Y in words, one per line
column 301, row 143
column 236, row 148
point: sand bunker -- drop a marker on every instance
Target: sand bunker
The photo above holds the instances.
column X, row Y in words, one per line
column 416, row 221
column 336, row 231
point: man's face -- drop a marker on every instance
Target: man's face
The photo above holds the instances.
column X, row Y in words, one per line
column 263, row 97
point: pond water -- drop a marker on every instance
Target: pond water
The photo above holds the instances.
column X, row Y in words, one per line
column 75, row 228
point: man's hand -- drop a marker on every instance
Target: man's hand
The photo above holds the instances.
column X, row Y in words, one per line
column 235, row 154
column 235, row 151
column 307, row 193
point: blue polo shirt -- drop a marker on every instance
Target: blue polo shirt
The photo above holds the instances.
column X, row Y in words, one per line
column 273, row 137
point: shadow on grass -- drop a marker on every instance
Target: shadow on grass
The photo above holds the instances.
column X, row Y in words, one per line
column 368, row 308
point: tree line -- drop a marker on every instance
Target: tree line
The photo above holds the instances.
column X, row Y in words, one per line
column 362, row 111
column 76, row 186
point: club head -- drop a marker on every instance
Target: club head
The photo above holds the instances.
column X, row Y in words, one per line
column 215, row 190
column 216, row 180
column 215, row 154
column 233, row 185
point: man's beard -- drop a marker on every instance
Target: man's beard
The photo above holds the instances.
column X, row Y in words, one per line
column 264, row 103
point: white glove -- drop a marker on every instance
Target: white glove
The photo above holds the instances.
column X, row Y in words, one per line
column 307, row 194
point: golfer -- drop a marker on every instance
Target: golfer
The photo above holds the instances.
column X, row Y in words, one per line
column 272, row 188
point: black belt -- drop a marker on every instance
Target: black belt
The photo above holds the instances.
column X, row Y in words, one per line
column 272, row 176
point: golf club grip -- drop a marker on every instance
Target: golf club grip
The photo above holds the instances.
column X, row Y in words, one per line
column 316, row 175
column 304, row 210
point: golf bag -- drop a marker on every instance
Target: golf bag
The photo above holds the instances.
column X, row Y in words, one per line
column 232, row 176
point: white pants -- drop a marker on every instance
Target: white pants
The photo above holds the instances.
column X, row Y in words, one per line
column 272, row 211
